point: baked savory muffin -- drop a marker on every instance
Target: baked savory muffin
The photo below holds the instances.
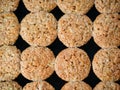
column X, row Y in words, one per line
column 107, row 86
column 9, row 28
column 70, row 6
column 39, row 29
column 108, row 6
column 74, row 30
column 8, row 5
column 76, row 86
column 106, row 31
column 9, row 63
column 37, row 63
column 72, row 64
column 40, row 5
column 39, row 85
column 10, row 85
column 106, row 64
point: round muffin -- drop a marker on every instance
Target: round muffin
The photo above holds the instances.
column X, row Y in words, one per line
column 39, row 29
column 8, row 5
column 106, row 31
column 9, row 63
column 40, row 5
column 106, row 64
column 72, row 64
column 39, row 85
column 107, row 86
column 11, row 85
column 70, row 6
column 76, row 86
column 108, row 6
column 9, row 28
column 37, row 63
column 74, row 30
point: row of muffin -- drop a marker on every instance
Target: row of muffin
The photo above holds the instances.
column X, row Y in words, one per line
column 66, row 6
column 71, row 64
column 43, row 85
column 107, row 35
column 9, row 55
column 38, row 85
column 73, row 30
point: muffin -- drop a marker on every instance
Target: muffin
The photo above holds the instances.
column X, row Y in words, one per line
column 37, row 63
column 108, row 6
column 72, row 64
column 39, row 85
column 39, row 5
column 74, row 30
column 107, row 86
column 8, row 5
column 106, row 31
column 75, row 6
column 76, row 86
column 39, row 29
column 9, row 63
column 9, row 28
column 10, row 85
column 106, row 64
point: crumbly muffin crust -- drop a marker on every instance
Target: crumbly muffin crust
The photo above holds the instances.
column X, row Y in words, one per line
column 108, row 6
column 107, row 86
column 74, row 30
column 11, row 85
column 72, row 64
column 40, row 5
column 106, row 64
column 70, row 6
column 106, row 32
column 76, row 86
column 9, row 63
column 39, row 85
column 8, row 5
column 9, row 28
column 37, row 63
column 39, row 29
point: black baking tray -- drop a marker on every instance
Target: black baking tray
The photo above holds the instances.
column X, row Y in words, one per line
column 91, row 48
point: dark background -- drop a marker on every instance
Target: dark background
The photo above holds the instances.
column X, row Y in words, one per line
column 91, row 48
